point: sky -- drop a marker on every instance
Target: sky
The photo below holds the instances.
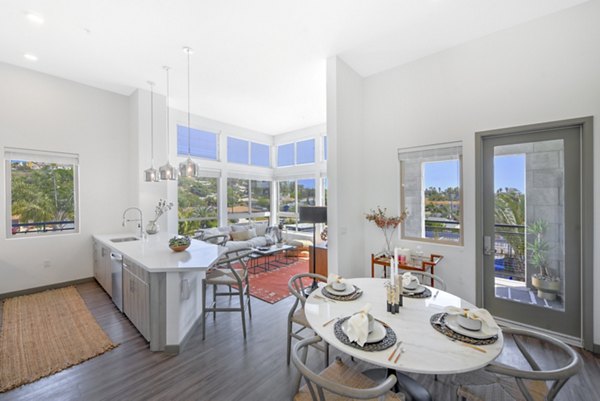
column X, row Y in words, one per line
column 509, row 171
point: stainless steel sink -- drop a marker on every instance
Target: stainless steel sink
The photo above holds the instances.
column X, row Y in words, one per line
column 125, row 239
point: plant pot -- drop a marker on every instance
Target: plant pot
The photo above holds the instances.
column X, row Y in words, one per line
column 547, row 288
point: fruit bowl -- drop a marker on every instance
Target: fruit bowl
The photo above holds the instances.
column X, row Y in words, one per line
column 179, row 243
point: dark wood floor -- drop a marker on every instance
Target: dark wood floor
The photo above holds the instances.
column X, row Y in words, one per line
column 224, row 367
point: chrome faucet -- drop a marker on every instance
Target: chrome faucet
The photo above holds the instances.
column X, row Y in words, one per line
column 140, row 220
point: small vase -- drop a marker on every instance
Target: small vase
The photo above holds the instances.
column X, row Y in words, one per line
column 152, row 227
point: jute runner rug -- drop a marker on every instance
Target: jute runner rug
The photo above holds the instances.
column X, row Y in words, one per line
column 45, row 333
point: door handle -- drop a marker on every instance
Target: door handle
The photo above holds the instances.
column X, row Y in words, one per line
column 487, row 245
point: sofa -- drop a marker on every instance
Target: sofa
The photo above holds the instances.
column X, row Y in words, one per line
column 251, row 235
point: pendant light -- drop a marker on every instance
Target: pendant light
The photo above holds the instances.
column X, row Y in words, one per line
column 167, row 172
column 151, row 175
column 188, row 168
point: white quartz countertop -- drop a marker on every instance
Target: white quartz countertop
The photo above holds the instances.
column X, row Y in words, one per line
column 153, row 253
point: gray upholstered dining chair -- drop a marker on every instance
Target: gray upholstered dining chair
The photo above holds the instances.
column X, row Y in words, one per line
column 296, row 315
column 230, row 270
column 338, row 381
column 502, row 382
column 427, row 278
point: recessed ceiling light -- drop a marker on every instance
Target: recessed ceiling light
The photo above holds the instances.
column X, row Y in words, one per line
column 35, row 18
column 30, row 57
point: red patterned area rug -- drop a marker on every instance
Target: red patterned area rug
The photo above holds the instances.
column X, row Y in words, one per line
column 272, row 286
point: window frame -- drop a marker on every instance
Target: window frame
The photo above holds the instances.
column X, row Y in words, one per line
column 403, row 203
column 294, row 215
column 50, row 157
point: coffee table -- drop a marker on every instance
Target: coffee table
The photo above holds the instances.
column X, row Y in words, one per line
column 276, row 256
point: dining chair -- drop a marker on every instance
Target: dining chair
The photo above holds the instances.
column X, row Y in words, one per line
column 220, row 239
column 337, row 381
column 231, row 270
column 296, row 315
column 435, row 281
column 499, row 381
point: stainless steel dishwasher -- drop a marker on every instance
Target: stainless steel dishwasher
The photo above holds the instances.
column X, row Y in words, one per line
column 116, row 262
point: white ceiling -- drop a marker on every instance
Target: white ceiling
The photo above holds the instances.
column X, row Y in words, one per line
column 258, row 64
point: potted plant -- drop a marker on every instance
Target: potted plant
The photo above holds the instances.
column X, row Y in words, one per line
column 547, row 285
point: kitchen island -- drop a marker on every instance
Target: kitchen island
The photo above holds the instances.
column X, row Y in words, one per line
column 159, row 290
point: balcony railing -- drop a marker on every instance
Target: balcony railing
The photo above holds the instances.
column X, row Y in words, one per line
column 509, row 245
column 42, row 227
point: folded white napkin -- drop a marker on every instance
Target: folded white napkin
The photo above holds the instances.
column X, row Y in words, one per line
column 358, row 326
column 476, row 314
column 332, row 278
column 408, row 278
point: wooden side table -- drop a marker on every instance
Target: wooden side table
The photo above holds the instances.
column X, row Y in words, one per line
column 427, row 264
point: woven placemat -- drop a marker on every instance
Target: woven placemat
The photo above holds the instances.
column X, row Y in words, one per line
column 388, row 341
column 438, row 321
column 350, row 297
column 424, row 294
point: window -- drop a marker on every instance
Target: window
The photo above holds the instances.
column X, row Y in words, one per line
column 302, row 152
column 202, row 143
column 325, row 148
column 248, row 200
column 305, row 152
column 259, row 155
column 293, row 194
column 245, row 152
column 431, row 193
column 285, row 155
column 325, row 184
column 237, row 150
column 197, row 203
column 42, row 192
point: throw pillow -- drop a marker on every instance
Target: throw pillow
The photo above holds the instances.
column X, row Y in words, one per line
column 251, row 233
column 239, row 227
column 261, row 229
column 240, row 235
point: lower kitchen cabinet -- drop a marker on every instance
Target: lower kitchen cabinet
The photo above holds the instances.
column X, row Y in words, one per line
column 102, row 267
column 136, row 296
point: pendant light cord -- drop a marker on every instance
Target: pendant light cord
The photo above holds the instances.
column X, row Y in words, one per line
column 151, row 124
column 167, row 70
column 188, row 50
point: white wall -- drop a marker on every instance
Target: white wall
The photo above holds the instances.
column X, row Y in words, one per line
column 541, row 71
column 41, row 112
column 346, row 170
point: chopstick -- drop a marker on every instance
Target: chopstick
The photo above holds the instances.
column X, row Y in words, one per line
column 474, row 347
column 395, row 349
column 399, row 353
column 330, row 321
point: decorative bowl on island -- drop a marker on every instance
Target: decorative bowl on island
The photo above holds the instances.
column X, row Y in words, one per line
column 179, row 243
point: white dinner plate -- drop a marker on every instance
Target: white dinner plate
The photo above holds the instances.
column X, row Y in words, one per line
column 419, row 290
column 376, row 335
column 485, row 332
column 349, row 290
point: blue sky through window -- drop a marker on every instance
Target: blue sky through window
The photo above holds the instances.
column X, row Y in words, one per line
column 442, row 174
column 509, row 172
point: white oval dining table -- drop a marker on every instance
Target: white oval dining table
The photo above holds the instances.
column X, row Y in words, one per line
column 425, row 349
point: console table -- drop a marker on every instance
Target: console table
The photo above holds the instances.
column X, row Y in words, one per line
column 423, row 264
